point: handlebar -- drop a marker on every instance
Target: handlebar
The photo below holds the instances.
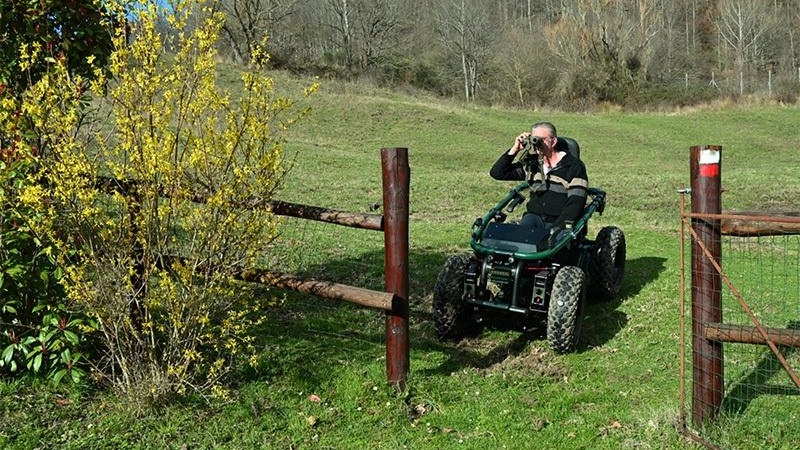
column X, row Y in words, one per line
column 515, row 201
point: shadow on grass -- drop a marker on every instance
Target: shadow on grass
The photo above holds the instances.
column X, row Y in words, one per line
column 603, row 320
column 305, row 335
column 756, row 383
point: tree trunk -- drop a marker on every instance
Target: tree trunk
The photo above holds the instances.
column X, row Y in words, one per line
column 466, row 75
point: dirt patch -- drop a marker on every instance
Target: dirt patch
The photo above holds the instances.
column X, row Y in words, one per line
column 532, row 361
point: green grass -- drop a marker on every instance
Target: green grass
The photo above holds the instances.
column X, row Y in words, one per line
column 502, row 389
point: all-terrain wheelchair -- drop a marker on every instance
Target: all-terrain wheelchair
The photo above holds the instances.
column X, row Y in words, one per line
column 529, row 278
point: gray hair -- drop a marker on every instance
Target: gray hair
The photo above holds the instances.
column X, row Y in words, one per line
column 547, row 125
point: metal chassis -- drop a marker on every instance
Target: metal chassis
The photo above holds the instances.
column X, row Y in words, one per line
column 522, row 260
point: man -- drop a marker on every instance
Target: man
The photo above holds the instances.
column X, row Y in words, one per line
column 557, row 179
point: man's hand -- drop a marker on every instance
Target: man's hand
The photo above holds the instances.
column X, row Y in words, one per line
column 518, row 143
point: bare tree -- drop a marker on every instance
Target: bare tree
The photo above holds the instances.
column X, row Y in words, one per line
column 609, row 41
column 341, row 24
column 595, row 48
column 248, row 22
column 520, row 67
column 741, row 25
column 464, row 33
column 380, row 29
column 793, row 21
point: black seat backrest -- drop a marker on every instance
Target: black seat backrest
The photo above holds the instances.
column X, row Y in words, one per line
column 569, row 145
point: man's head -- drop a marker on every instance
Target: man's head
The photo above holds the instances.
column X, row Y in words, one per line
column 545, row 131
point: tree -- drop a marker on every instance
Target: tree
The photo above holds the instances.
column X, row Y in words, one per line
column 606, row 46
column 602, row 49
column 520, row 67
column 37, row 40
column 742, row 26
column 379, row 30
column 249, row 22
column 342, row 26
column 464, row 34
column 72, row 29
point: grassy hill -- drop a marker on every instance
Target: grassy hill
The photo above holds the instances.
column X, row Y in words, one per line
column 502, row 389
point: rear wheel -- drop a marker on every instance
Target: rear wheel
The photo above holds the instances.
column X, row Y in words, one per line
column 565, row 312
column 607, row 265
column 448, row 299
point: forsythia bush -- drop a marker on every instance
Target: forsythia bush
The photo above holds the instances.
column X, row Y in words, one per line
column 116, row 197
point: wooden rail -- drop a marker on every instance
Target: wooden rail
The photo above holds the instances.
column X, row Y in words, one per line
column 760, row 223
column 349, row 219
column 325, row 289
column 721, row 332
column 345, row 218
column 394, row 225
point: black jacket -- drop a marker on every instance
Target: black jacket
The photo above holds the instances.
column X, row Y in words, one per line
column 563, row 196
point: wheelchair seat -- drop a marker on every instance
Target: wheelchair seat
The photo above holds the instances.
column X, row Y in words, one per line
column 569, row 145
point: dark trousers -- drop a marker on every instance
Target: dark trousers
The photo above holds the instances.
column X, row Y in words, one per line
column 533, row 221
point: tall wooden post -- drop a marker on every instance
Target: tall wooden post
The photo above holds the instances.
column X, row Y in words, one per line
column 707, row 357
column 396, row 181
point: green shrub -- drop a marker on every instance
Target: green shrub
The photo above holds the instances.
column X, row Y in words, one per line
column 39, row 331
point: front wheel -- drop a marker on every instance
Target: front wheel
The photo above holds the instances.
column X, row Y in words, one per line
column 448, row 299
column 565, row 312
column 608, row 263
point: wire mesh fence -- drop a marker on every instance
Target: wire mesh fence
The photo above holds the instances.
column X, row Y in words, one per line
column 750, row 356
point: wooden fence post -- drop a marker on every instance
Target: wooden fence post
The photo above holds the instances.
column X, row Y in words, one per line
column 707, row 356
column 396, row 181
